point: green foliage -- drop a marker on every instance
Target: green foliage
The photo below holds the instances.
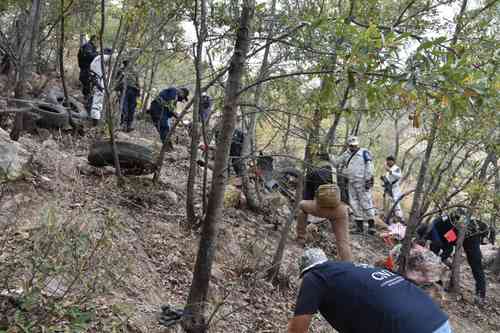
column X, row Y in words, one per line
column 60, row 268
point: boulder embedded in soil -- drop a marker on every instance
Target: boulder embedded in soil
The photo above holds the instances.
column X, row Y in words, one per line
column 13, row 158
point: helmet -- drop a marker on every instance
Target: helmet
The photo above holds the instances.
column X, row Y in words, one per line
column 353, row 140
column 311, row 258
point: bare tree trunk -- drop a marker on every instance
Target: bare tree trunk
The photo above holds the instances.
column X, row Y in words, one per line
column 415, row 213
column 147, row 91
column 195, row 321
column 396, row 138
column 106, row 103
column 496, row 265
column 274, row 270
column 201, row 31
column 252, row 201
column 25, row 58
column 332, row 131
column 496, row 204
column 61, row 65
column 286, row 136
column 457, row 256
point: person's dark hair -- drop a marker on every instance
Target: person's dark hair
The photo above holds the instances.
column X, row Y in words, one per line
column 182, row 94
column 107, row 51
column 185, row 93
column 92, row 38
column 390, row 158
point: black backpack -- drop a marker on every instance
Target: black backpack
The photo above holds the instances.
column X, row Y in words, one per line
column 86, row 56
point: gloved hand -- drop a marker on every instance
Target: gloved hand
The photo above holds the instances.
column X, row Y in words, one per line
column 369, row 183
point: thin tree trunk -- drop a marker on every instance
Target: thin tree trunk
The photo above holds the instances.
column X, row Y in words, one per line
column 274, row 270
column 415, row 213
column 496, row 204
column 332, row 131
column 496, row 265
column 252, row 201
column 25, row 55
column 457, row 256
column 195, row 321
column 61, row 65
column 198, row 59
column 106, row 103
column 286, row 136
column 396, row 138
column 147, row 91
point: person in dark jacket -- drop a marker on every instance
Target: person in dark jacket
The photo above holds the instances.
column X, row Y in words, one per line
column 86, row 54
column 128, row 83
column 357, row 298
column 235, row 151
column 443, row 235
column 162, row 108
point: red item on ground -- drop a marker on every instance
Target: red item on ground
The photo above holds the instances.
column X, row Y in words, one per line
column 389, row 263
column 450, row 236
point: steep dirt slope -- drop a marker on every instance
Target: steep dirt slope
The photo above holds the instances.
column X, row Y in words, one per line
column 149, row 256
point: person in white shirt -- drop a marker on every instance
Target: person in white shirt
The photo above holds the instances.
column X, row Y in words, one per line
column 391, row 184
column 98, row 77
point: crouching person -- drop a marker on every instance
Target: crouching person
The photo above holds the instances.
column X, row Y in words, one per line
column 357, row 298
column 162, row 109
column 322, row 199
column 443, row 235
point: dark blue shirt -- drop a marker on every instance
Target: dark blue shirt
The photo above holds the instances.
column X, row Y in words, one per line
column 169, row 94
column 356, row 298
column 164, row 104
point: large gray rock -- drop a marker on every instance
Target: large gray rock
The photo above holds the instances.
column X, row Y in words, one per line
column 13, row 158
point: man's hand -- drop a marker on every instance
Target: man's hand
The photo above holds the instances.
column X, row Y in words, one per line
column 299, row 324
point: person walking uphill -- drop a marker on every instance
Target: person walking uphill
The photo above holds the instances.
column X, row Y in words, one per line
column 86, row 55
column 163, row 107
column 322, row 199
column 356, row 165
column 96, row 71
column 357, row 298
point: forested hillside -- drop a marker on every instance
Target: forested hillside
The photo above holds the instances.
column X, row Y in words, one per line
column 164, row 164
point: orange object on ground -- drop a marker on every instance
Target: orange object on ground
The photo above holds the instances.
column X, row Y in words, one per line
column 389, row 263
